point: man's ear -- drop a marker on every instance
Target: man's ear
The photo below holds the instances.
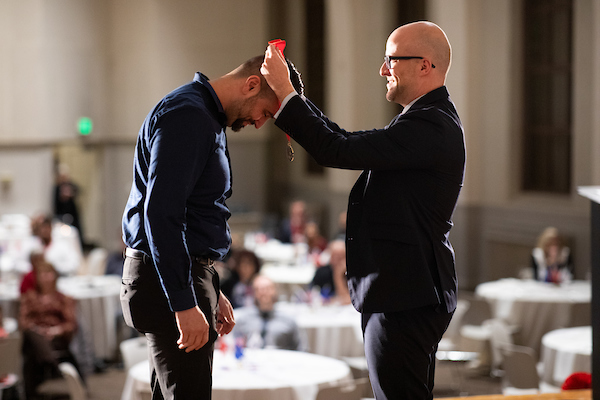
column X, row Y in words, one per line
column 251, row 86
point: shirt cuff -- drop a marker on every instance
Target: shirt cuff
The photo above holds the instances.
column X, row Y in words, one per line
column 182, row 300
column 284, row 102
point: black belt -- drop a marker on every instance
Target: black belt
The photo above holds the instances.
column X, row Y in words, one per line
column 140, row 255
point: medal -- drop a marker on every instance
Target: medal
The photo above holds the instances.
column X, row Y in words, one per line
column 290, row 150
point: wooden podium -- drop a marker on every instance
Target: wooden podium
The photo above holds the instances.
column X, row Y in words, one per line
column 593, row 193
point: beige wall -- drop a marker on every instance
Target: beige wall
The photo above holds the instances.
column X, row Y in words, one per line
column 495, row 221
column 113, row 60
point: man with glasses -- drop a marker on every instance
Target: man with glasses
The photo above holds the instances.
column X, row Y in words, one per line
column 400, row 264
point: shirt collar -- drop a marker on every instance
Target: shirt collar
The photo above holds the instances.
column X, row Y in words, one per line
column 203, row 80
column 409, row 105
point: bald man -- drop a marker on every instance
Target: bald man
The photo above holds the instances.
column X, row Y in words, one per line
column 400, row 264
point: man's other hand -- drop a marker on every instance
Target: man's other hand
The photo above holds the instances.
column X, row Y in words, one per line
column 193, row 329
column 225, row 320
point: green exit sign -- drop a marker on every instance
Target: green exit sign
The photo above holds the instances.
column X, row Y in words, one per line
column 84, row 126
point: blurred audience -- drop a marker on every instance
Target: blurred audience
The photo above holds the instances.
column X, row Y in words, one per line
column 115, row 261
column 551, row 258
column 57, row 242
column 28, row 281
column 292, row 229
column 262, row 326
column 65, row 206
column 331, row 279
column 243, row 266
column 48, row 323
column 341, row 231
column 315, row 241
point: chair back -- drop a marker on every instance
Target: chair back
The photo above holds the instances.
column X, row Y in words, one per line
column 519, row 364
column 500, row 337
column 74, row 384
column 96, row 261
column 352, row 390
column 133, row 351
column 10, row 355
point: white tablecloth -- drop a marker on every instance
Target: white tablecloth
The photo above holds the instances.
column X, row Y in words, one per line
column 259, row 374
column 290, row 279
column 330, row 330
column 536, row 308
column 98, row 305
column 565, row 351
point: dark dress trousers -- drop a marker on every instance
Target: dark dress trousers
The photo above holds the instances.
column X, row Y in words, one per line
column 399, row 260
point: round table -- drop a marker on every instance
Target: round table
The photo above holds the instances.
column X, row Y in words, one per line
column 565, row 351
column 264, row 374
column 98, row 306
column 536, row 308
column 330, row 330
column 290, row 279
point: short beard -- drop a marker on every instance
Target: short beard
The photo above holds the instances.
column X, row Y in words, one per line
column 237, row 125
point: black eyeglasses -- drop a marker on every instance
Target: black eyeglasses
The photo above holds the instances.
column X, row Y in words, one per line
column 388, row 60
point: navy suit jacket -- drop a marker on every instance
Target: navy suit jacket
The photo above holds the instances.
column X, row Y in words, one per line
column 400, row 208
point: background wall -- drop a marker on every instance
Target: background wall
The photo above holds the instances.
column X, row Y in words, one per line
column 112, row 61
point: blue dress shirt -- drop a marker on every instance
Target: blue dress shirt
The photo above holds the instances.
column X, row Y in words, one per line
column 181, row 178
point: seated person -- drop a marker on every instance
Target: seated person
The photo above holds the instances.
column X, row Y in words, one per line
column 315, row 241
column 244, row 265
column 331, row 278
column 28, row 281
column 48, row 323
column 115, row 261
column 264, row 327
column 292, row 228
column 551, row 258
column 58, row 242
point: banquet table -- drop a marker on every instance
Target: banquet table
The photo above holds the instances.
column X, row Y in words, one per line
column 261, row 374
column 290, row 279
column 565, row 351
column 330, row 330
column 98, row 305
column 535, row 308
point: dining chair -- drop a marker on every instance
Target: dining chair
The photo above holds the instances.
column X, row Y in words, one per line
column 519, row 365
column 96, row 261
column 349, row 390
column 522, row 371
column 133, row 351
column 75, row 385
column 500, row 337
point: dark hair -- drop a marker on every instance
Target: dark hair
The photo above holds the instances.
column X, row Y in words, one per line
column 252, row 67
column 295, row 77
column 238, row 255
